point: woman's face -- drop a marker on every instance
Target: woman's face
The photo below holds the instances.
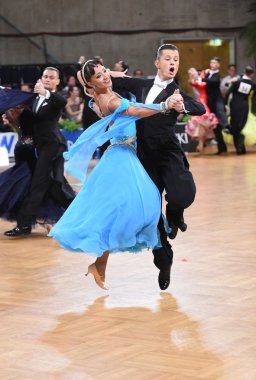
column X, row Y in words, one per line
column 101, row 78
column 192, row 73
column 75, row 92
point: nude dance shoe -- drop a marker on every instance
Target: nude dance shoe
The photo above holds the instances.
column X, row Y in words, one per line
column 98, row 279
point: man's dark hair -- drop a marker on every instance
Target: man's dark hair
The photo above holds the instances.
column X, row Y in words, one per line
column 216, row 59
column 165, row 47
column 231, row 65
column 249, row 70
column 124, row 65
column 88, row 70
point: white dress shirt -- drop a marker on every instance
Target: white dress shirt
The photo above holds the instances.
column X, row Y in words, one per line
column 211, row 72
column 155, row 90
column 42, row 99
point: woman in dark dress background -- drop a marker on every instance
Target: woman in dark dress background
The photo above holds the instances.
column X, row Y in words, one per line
column 15, row 181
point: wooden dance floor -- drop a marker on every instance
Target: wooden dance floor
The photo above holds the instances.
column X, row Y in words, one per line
column 56, row 324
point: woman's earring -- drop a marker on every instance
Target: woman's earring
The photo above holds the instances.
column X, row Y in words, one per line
column 94, row 87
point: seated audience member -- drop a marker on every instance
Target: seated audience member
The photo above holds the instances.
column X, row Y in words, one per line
column 123, row 67
column 229, row 79
column 138, row 73
column 74, row 106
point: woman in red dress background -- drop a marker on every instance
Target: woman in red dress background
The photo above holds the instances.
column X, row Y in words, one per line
column 200, row 127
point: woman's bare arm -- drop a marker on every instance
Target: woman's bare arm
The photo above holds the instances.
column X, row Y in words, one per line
column 114, row 103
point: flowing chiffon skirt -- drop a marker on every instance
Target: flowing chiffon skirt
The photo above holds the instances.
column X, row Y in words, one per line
column 117, row 209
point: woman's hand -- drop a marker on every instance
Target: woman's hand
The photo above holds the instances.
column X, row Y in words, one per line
column 119, row 74
column 5, row 120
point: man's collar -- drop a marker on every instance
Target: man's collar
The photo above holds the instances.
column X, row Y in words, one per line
column 211, row 72
column 162, row 84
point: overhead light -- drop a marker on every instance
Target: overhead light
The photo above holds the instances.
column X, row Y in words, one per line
column 215, row 42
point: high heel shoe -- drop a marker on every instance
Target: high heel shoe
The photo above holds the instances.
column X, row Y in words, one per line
column 98, row 279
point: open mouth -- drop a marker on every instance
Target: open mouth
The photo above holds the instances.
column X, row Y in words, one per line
column 171, row 70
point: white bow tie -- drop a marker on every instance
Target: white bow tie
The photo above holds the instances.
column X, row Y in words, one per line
column 158, row 83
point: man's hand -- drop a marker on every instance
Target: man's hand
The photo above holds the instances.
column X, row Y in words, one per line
column 39, row 88
column 175, row 101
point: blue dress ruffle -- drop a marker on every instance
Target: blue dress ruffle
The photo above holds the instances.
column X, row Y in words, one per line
column 118, row 206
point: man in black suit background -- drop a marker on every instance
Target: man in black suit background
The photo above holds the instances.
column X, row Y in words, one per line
column 241, row 92
column 159, row 150
column 215, row 101
column 50, row 144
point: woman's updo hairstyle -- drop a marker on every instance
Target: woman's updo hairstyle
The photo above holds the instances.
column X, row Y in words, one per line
column 88, row 70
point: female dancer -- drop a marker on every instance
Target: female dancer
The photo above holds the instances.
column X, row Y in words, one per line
column 118, row 207
column 200, row 127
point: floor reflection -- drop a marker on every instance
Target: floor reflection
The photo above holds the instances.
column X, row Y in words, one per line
column 133, row 342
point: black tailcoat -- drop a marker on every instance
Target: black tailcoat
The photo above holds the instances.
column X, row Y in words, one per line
column 159, row 149
column 241, row 90
column 216, row 104
column 50, row 144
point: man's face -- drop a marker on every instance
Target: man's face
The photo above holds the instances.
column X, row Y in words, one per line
column 50, row 79
column 232, row 71
column 214, row 65
column 118, row 66
column 167, row 64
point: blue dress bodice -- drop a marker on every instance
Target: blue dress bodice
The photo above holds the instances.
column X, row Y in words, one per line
column 120, row 126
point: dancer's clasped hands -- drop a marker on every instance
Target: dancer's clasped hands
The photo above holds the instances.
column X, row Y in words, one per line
column 175, row 101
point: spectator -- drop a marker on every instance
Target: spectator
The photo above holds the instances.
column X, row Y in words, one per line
column 121, row 66
column 138, row 73
column 74, row 106
column 71, row 81
column 229, row 79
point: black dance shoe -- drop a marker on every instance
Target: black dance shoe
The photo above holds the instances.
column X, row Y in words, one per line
column 183, row 227
column 163, row 258
column 240, row 151
column 164, row 278
column 18, row 231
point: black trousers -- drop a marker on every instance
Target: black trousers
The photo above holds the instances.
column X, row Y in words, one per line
column 218, row 109
column 169, row 170
column 222, row 147
column 48, row 155
column 238, row 141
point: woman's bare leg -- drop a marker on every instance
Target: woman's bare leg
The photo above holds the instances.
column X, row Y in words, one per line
column 101, row 264
column 98, row 269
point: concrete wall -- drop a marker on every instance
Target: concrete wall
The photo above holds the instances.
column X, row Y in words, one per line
column 130, row 30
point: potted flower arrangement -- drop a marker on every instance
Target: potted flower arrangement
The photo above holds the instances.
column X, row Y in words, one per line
column 70, row 130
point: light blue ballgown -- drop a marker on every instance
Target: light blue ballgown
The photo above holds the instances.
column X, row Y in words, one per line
column 118, row 206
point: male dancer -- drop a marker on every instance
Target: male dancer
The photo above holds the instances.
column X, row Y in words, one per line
column 48, row 174
column 159, row 150
column 241, row 91
column 215, row 101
